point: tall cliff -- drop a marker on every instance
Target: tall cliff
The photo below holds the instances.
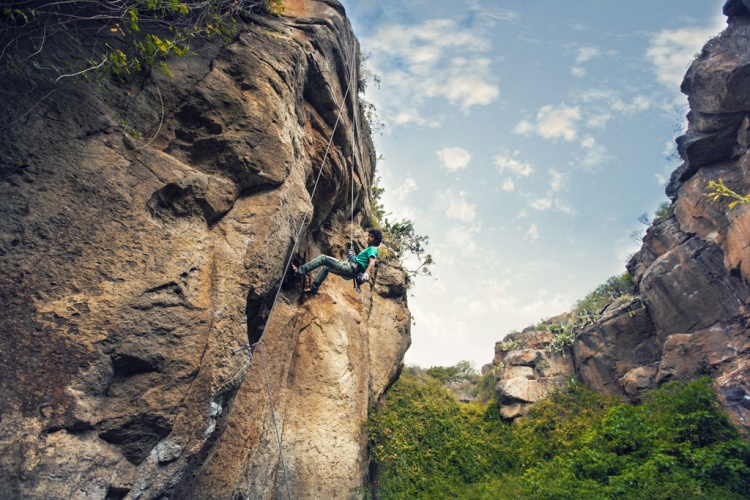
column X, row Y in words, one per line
column 691, row 274
column 145, row 232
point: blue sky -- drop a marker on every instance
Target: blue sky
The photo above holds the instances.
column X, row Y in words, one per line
column 525, row 138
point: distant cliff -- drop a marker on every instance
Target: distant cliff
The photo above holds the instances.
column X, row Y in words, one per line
column 144, row 234
column 691, row 274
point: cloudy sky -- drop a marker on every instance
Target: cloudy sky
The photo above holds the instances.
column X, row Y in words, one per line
column 525, row 138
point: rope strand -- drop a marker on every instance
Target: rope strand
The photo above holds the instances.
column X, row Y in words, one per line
column 275, row 424
column 259, row 344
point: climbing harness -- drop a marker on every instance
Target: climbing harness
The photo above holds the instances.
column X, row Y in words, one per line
column 258, row 345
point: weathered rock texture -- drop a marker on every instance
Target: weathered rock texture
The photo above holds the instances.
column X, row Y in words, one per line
column 131, row 268
column 527, row 368
column 693, row 269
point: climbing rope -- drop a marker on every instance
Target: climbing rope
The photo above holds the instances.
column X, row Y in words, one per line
column 354, row 132
column 275, row 424
column 259, row 344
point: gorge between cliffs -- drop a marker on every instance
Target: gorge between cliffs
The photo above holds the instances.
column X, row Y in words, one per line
column 148, row 223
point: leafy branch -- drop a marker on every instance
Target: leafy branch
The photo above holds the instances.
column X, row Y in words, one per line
column 401, row 238
column 720, row 190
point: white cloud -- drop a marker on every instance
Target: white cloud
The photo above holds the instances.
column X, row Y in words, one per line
column 508, row 185
column 419, row 63
column 661, row 180
column 577, row 71
column 588, row 142
column 466, row 87
column 456, row 207
column 405, row 116
column 463, row 238
column 598, row 120
column 669, row 147
column 563, row 207
column 541, row 204
column 586, row 54
column 671, row 51
column 496, row 296
column 407, row 186
column 524, row 127
column 553, row 122
column 506, row 162
column 454, row 158
column 639, row 103
column 545, row 307
column 556, row 179
column 491, row 12
column 592, row 156
column 532, row 234
column 599, row 105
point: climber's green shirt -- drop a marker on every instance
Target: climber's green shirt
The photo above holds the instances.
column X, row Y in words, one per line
column 363, row 257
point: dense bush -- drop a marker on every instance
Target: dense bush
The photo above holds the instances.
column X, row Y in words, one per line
column 575, row 444
column 429, row 445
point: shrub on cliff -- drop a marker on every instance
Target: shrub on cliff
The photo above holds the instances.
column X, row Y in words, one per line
column 575, row 444
column 401, row 240
column 119, row 37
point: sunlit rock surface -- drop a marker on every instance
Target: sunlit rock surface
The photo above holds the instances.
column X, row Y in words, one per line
column 132, row 265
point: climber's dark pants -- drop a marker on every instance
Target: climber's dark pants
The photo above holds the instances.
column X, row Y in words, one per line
column 346, row 270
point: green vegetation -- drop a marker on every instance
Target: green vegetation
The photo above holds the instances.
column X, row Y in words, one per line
column 121, row 37
column 722, row 191
column 588, row 310
column 429, row 445
column 366, row 76
column 665, row 210
column 400, row 239
column 462, row 370
column 592, row 305
column 575, row 444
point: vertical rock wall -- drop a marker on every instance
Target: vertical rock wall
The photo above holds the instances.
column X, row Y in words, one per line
column 145, row 232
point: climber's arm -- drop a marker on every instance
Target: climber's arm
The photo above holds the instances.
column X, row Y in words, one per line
column 370, row 265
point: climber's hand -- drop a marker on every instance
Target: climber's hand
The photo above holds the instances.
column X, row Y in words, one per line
column 366, row 277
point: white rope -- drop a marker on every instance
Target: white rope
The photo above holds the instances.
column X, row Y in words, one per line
column 259, row 344
column 352, row 67
column 275, row 425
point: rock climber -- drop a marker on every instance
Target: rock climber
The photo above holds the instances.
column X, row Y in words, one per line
column 363, row 262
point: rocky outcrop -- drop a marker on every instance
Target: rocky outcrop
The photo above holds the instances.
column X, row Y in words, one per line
column 692, row 272
column 145, row 233
column 527, row 368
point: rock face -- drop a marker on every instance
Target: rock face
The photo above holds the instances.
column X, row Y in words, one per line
column 693, row 269
column 145, row 233
column 527, row 368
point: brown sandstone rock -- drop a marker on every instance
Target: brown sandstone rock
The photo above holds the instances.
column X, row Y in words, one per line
column 622, row 339
column 131, row 268
column 529, row 371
